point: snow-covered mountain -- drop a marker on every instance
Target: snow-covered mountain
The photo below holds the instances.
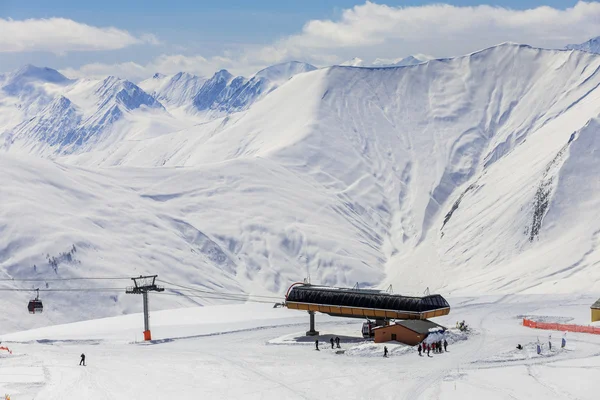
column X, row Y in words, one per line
column 353, row 62
column 475, row 174
column 173, row 90
column 42, row 112
column 217, row 90
column 226, row 94
column 591, row 46
column 65, row 116
column 386, row 62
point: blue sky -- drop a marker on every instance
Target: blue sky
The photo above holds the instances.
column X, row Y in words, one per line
column 246, row 34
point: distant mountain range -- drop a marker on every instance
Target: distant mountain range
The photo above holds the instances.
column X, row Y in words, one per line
column 591, row 46
column 398, row 62
column 45, row 113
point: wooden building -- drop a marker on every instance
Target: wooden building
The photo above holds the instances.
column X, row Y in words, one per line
column 411, row 332
column 596, row 311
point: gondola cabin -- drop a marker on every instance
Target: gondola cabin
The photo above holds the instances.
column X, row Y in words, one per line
column 35, row 306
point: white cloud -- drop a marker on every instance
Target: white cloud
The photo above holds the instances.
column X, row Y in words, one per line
column 374, row 30
column 371, row 31
column 60, row 35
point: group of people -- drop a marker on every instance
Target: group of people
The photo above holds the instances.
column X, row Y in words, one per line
column 335, row 342
column 435, row 347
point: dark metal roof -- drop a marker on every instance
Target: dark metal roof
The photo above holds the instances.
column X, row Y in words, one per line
column 596, row 304
column 421, row 326
column 365, row 299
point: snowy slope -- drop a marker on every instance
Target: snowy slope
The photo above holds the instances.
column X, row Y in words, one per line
column 192, row 226
column 467, row 175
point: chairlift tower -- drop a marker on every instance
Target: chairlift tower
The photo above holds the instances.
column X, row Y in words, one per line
column 143, row 285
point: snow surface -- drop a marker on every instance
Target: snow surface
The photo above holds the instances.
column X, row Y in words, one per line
column 248, row 351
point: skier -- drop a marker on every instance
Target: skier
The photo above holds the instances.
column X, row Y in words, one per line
column 445, row 345
column 337, row 342
column 539, row 349
column 563, row 342
column 550, row 342
column 317, row 344
column 428, row 349
column 385, row 351
column 331, row 341
column 419, row 349
column 519, row 346
column 82, row 362
column 439, row 346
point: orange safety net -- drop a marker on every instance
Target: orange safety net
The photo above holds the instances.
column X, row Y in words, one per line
column 561, row 327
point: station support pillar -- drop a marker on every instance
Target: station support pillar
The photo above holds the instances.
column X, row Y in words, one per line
column 312, row 331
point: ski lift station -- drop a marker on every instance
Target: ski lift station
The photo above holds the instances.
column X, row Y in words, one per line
column 366, row 304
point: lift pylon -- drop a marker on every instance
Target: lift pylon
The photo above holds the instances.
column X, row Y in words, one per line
column 143, row 285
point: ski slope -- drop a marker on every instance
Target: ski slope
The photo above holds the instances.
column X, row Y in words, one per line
column 250, row 351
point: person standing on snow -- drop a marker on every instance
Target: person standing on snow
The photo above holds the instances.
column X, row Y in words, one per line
column 563, row 342
column 419, row 349
column 385, row 351
column 428, row 349
column 82, row 362
column 550, row 341
column 331, row 341
column 445, row 345
column 317, row 344
column 337, row 342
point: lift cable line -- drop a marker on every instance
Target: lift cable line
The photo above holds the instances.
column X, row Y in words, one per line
column 142, row 285
column 216, row 292
column 225, row 294
column 221, row 295
column 215, row 298
column 241, row 297
column 63, row 290
column 60, row 279
column 172, row 292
